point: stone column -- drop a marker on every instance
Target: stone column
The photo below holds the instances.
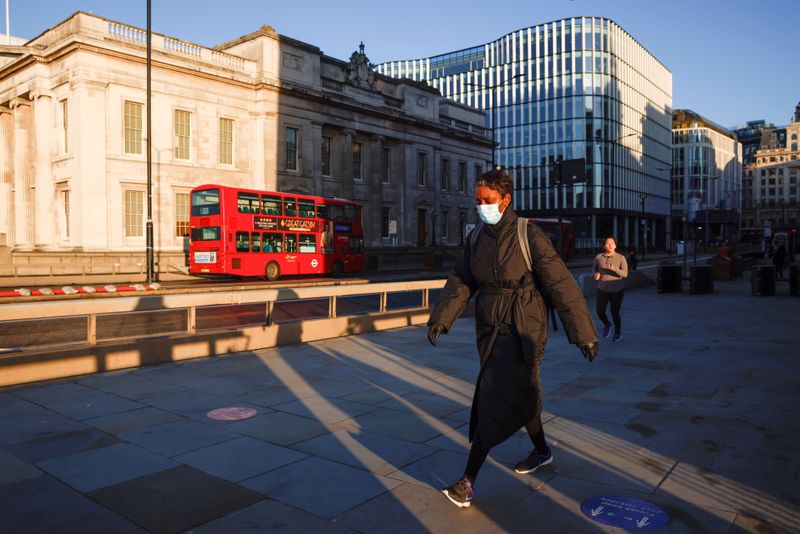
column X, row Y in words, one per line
column 23, row 165
column 93, row 221
column 316, row 158
column 372, row 227
column 346, row 167
column 408, row 208
column 6, row 174
column 436, row 186
column 45, row 231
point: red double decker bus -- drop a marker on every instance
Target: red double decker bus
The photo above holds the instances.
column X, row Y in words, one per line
column 550, row 227
column 244, row 232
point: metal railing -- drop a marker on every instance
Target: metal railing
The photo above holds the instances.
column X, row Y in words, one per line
column 92, row 308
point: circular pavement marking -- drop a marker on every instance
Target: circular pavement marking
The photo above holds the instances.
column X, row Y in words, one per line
column 232, row 413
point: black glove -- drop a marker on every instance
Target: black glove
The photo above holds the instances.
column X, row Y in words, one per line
column 589, row 350
column 434, row 331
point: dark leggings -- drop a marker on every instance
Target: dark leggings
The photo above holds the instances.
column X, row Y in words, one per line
column 477, row 454
column 602, row 301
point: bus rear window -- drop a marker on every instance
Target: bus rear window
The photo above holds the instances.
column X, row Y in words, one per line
column 208, row 233
column 350, row 212
column 247, row 202
column 205, row 202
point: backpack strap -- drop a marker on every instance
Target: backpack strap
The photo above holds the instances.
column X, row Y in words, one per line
column 522, row 235
column 524, row 245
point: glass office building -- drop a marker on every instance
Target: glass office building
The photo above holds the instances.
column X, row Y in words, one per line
column 573, row 88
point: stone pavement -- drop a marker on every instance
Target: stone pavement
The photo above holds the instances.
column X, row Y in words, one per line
column 696, row 411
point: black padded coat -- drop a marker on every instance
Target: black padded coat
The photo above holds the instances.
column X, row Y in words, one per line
column 510, row 321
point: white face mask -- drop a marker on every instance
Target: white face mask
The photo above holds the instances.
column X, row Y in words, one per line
column 489, row 213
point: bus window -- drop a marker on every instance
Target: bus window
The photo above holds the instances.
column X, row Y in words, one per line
column 205, row 202
column 255, row 239
column 350, row 212
column 322, row 211
column 306, row 208
column 308, row 243
column 207, row 233
column 356, row 244
column 242, row 242
column 271, row 205
column 336, row 213
column 289, row 207
column 291, row 242
column 273, row 243
column 247, row 202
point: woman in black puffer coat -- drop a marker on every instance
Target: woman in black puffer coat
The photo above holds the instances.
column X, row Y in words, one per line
column 511, row 326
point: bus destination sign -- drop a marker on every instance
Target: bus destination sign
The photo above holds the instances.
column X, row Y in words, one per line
column 265, row 223
column 288, row 225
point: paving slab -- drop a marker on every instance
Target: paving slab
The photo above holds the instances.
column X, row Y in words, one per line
column 95, row 405
column 321, row 487
column 280, row 428
column 35, row 424
column 240, row 459
column 372, row 452
column 175, row 499
column 42, row 503
column 15, row 469
column 270, row 516
column 98, row 468
column 171, row 439
column 65, row 444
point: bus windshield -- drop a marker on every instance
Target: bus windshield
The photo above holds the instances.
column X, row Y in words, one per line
column 205, row 202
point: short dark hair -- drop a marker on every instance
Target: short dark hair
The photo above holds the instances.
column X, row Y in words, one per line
column 496, row 179
column 612, row 238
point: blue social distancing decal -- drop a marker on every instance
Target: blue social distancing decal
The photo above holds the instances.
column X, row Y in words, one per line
column 625, row 512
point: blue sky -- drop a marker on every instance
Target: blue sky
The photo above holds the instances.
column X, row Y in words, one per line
column 731, row 60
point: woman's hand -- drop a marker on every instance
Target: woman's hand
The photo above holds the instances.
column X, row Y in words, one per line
column 597, row 276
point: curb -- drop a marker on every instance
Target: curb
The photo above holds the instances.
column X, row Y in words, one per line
column 70, row 290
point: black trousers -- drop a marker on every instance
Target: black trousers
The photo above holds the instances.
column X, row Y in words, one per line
column 601, row 303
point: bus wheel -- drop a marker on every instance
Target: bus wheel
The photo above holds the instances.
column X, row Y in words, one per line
column 338, row 268
column 272, row 272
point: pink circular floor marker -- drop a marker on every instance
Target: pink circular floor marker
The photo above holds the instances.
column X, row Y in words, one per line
column 233, row 413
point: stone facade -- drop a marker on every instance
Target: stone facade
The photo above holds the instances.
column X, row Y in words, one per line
column 263, row 111
column 770, row 182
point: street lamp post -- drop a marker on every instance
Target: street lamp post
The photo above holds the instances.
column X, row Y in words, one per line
column 560, row 191
column 643, row 198
column 707, row 197
column 491, row 106
column 149, row 224
column 598, row 136
column 685, row 243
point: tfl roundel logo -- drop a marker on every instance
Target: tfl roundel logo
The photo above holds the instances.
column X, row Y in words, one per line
column 314, row 263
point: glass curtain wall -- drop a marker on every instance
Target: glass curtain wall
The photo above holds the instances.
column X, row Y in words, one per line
column 573, row 88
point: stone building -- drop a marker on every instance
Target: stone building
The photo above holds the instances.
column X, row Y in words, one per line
column 770, row 181
column 263, row 111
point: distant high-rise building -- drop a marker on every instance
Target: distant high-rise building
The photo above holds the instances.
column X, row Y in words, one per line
column 750, row 136
column 574, row 88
